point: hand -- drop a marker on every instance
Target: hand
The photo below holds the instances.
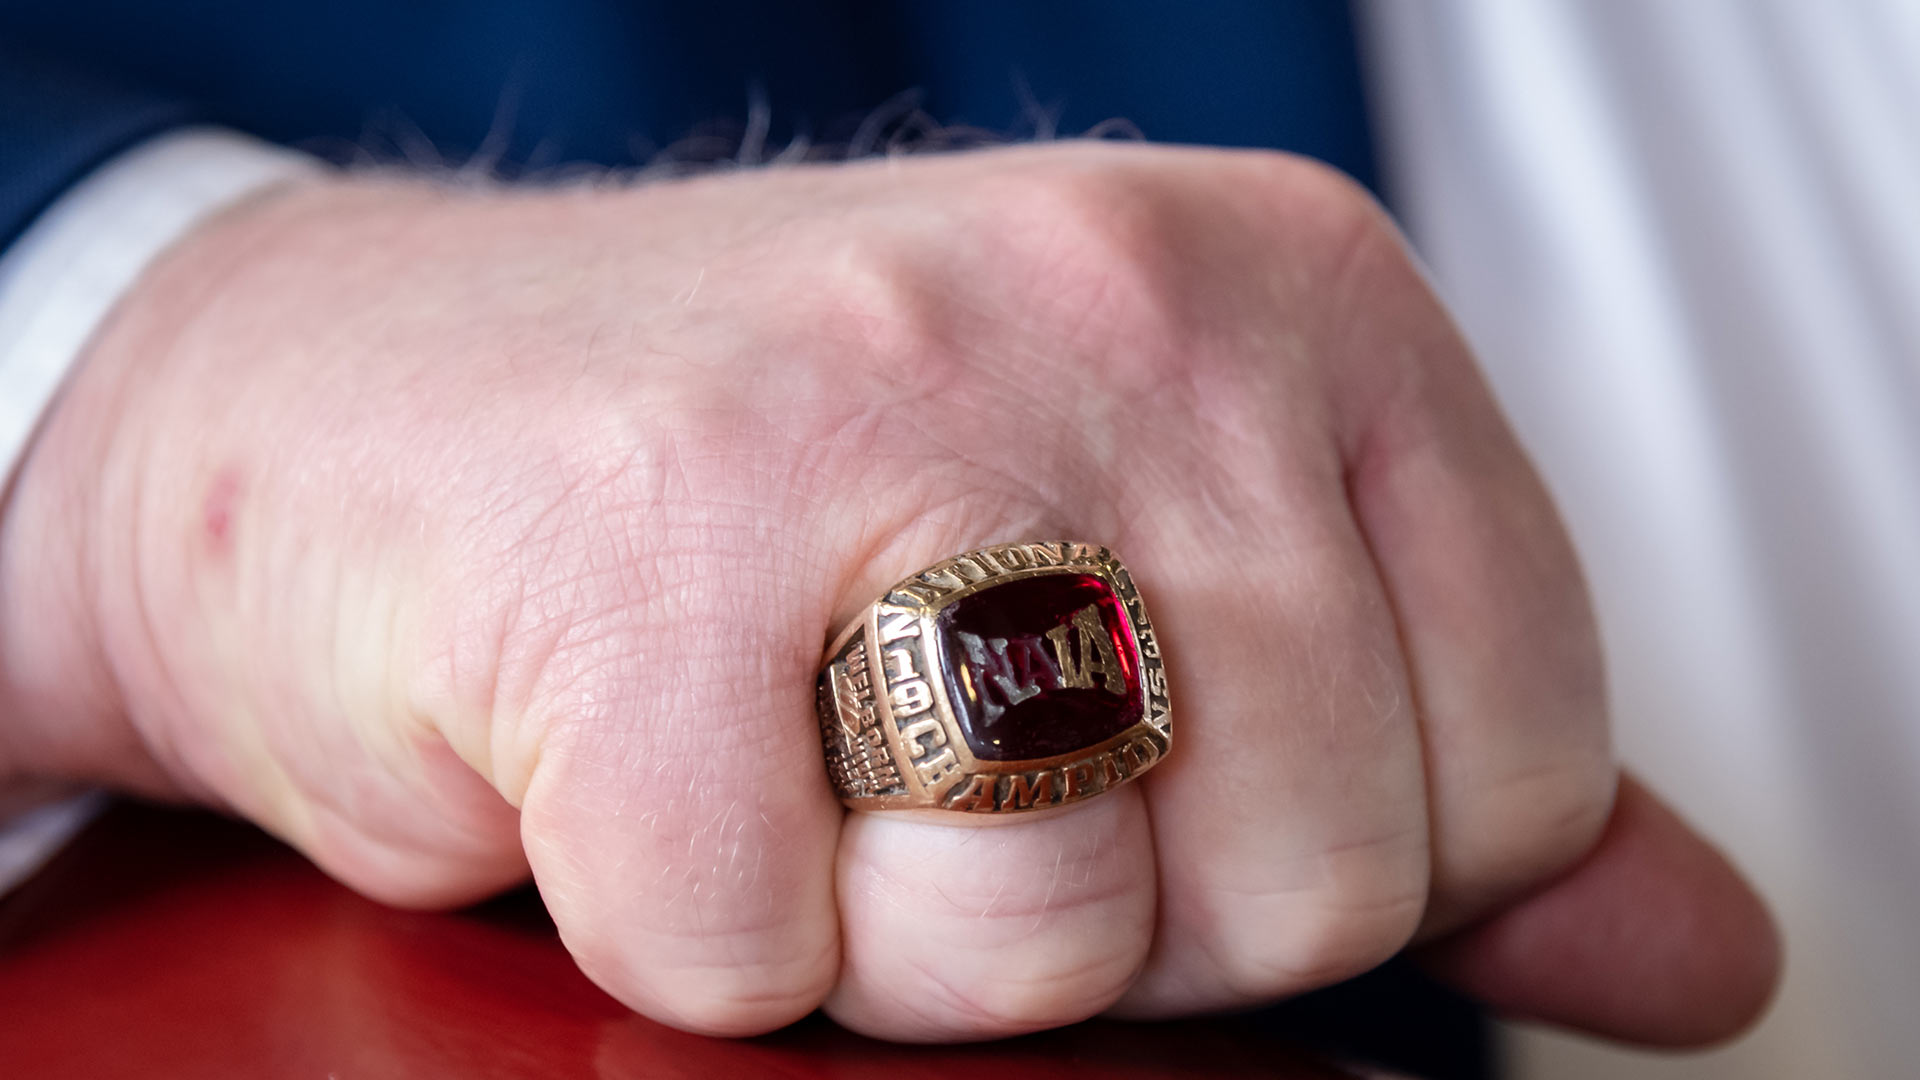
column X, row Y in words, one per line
column 450, row 535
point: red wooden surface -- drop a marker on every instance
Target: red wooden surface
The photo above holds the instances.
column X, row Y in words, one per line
column 168, row 943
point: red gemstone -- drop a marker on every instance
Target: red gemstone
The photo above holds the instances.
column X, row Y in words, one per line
column 1040, row 666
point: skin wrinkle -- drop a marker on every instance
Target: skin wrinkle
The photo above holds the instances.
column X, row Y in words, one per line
column 871, row 422
column 747, row 982
column 168, row 696
column 1098, row 963
column 1249, row 444
column 461, row 823
column 1556, row 822
column 538, row 547
column 893, row 883
column 870, row 298
column 972, row 1005
column 1100, row 242
column 104, row 697
column 1406, row 431
column 1320, row 876
column 959, row 449
column 1026, row 984
column 617, row 572
column 683, row 737
column 1070, row 465
column 1296, row 961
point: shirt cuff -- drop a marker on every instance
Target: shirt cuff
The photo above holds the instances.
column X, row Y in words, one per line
column 59, row 281
column 63, row 275
column 29, row 840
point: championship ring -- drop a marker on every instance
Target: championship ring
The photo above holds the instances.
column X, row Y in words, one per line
column 1016, row 677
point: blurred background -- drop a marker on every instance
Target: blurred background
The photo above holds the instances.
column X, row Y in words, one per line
column 1685, row 241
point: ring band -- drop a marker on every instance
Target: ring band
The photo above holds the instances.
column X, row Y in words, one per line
column 1016, row 677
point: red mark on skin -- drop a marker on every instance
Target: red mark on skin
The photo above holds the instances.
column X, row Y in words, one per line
column 216, row 513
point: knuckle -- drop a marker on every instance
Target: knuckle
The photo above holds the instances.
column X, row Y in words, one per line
column 731, row 1000
column 877, row 296
column 1083, row 215
column 1323, row 946
column 1027, row 997
column 1307, row 198
column 606, row 577
column 1339, row 250
column 988, row 932
column 1527, row 827
column 1365, row 905
column 1321, row 190
column 1182, row 277
column 1087, row 252
column 378, row 843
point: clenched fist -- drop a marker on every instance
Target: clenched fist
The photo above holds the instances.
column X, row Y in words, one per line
column 452, row 535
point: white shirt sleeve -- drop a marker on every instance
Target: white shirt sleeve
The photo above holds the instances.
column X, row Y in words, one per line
column 59, row 281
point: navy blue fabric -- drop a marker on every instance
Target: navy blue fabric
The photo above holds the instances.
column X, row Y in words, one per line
column 609, row 81
column 57, row 123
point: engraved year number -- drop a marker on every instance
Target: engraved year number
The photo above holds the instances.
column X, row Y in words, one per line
column 910, row 694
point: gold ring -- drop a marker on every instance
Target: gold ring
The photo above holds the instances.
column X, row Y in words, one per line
column 1016, row 677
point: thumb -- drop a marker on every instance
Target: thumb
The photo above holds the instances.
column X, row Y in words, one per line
column 1653, row 938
